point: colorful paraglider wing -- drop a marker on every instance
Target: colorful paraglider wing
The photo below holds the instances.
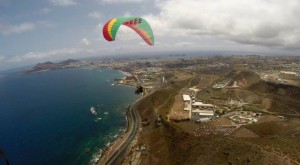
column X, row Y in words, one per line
column 142, row 27
column 111, row 27
column 138, row 24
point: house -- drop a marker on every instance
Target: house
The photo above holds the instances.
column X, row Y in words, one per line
column 187, row 102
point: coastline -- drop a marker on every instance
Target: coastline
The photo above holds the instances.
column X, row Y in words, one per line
column 105, row 152
column 125, row 73
column 94, row 138
column 114, row 144
column 129, row 79
column 119, row 145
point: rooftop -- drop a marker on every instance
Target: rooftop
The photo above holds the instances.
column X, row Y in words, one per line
column 187, row 98
column 202, row 105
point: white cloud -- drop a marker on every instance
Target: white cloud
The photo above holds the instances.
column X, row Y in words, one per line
column 63, row 2
column 95, row 14
column 50, row 54
column 15, row 59
column 45, row 23
column 120, row 1
column 2, row 58
column 127, row 14
column 98, row 28
column 185, row 44
column 14, row 29
column 44, row 10
column 8, row 29
column 35, row 57
column 256, row 22
column 85, row 42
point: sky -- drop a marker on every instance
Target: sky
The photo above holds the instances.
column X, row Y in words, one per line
column 33, row 31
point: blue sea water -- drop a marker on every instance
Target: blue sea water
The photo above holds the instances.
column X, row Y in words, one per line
column 45, row 117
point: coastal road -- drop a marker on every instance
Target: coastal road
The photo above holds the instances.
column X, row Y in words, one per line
column 133, row 130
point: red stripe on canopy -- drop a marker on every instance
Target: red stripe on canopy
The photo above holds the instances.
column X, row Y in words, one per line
column 105, row 32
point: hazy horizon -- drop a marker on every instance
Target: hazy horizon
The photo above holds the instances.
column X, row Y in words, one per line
column 162, row 55
column 38, row 31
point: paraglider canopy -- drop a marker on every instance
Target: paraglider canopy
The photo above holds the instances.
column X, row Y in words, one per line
column 138, row 24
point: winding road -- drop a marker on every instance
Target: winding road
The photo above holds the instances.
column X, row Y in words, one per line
column 133, row 129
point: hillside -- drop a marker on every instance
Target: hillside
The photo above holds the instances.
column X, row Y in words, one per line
column 50, row 66
column 271, row 141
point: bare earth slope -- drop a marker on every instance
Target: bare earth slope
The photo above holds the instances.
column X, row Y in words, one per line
column 269, row 142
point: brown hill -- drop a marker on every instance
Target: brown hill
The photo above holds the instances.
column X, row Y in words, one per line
column 246, row 78
column 253, row 82
column 276, row 89
column 68, row 62
column 282, row 98
column 50, row 65
column 43, row 66
column 260, row 143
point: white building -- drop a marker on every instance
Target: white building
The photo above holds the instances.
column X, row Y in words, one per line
column 288, row 75
column 202, row 106
column 206, row 113
column 203, row 120
column 197, row 110
column 187, row 102
column 201, row 111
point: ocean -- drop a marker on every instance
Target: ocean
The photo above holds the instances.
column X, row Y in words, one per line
column 46, row 118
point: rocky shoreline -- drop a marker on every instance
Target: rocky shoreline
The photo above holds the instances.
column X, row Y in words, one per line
column 114, row 145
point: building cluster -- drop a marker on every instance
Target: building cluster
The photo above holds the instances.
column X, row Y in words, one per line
column 290, row 75
column 136, row 153
column 236, row 103
column 279, row 76
column 243, row 117
column 222, row 84
column 226, row 83
column 198, row 111
column 129, row 79
column 148, row 75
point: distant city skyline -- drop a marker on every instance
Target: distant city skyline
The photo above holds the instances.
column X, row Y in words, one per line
column 49, row 30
